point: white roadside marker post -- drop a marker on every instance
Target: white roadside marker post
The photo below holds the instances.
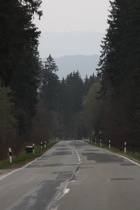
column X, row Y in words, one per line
column 109, row 144
column 125, row 147
column 100, row 142
column 10, row 155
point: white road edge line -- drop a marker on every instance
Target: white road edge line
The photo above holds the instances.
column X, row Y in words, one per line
column 127, row 158
column 4, row 176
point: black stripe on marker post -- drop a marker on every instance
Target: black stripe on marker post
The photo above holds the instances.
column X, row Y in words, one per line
column 10, row 155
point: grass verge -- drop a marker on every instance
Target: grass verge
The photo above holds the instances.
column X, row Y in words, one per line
column 130, row 155
column 25, row 158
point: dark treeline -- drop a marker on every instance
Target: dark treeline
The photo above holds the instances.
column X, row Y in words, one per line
column 119, row 71
column 19, row 71
column 61, row 103
column 36, row 106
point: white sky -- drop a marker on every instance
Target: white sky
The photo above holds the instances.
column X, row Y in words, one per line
column 72, row 16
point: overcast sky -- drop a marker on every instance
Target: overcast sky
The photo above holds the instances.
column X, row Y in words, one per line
column 64, row 17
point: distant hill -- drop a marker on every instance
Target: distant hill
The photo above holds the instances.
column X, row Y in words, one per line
column 70, row 43
column 86, row 65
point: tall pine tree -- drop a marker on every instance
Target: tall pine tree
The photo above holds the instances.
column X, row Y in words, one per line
column 120, row 70
column 19, row 56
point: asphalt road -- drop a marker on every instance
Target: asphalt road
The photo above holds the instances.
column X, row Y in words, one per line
column 72, row 175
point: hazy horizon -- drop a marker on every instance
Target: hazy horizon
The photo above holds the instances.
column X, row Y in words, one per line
column 72, row 27
column 59, row 44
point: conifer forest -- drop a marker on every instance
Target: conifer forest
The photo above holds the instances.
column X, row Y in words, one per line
column 35, row 105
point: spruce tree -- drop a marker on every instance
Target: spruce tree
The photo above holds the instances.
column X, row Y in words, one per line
column 119, row 68
column 50, row 86
column 19, row 56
